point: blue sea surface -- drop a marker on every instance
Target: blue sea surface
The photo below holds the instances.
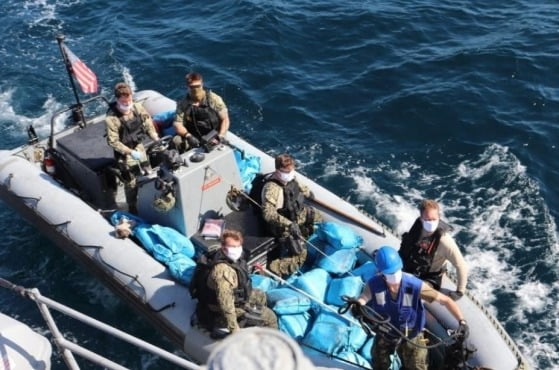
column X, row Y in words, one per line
column 382, row 102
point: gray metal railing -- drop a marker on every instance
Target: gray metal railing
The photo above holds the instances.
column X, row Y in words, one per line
column 67, row 349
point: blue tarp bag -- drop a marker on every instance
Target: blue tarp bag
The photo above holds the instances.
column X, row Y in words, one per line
column 182, row 268
column 286, row 301
column 365, row 351
column 295, row 325
column 249, row 167
column 312, row 253
column 338, row 261
column 332, row 334
column 339, row 235
column 264, row 283
column 163, row 242
column 366, row 271
column 118, row 215
column 314, row 283
column 166, row 244
column 350, row 286
column 164, row 121
column 354, row 358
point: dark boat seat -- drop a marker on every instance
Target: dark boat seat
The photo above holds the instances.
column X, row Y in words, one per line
column 89, row 146
column 258, row 242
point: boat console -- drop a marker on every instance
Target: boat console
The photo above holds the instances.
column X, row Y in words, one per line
column 200, row 186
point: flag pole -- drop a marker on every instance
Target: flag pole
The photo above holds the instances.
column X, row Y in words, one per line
column 77, row 111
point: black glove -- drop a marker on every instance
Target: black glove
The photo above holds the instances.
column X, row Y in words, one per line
column 295, row 231
column 352, row 304
column 463, row 330
column 455, row 295
column 192, row 141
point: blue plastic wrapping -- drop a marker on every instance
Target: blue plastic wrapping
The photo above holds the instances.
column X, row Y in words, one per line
column 339, row 236
column 263, row 283
column 314, row 283
column 285, row 301
column 339, row 261
column 354, row 358
column 182, row 268
column 332, row 334
column 295, row 325
column 365, row 351
column 164, row 122
column 165, row 244
column 249, row 166
column 366, row 271
column 350, row 286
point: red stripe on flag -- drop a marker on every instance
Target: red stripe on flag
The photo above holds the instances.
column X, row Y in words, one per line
column 85, row 76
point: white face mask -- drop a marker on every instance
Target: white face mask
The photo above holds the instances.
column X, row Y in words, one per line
column 430, row 226
column 394, row 278
column 286, row 176
column 124, row 108
column 233, row 253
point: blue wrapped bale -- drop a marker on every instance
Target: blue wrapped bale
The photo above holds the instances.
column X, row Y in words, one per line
column 350, row 286
column 316, row 245
column 338, row 261
column 331, row 334
column 365, row 351
column 249, row 167
column 286, row 301
column 354, row 358
column 339, row 236
column 182, row 268
column 366, row 271
column 314, row 283
column 264, row 283
column 295, row 325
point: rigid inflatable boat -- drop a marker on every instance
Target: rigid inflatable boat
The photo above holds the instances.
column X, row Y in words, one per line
column 66, row 185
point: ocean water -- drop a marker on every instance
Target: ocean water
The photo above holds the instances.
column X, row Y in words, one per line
column 383, row 102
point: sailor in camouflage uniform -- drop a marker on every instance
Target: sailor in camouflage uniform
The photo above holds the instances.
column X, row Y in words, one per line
column 200, row 112
column 287, row 216
column 228, row 302
column 127, row 125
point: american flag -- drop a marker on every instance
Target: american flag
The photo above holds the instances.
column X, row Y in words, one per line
column 85, row 76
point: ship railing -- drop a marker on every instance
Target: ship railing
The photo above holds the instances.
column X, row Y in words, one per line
column 67, row 348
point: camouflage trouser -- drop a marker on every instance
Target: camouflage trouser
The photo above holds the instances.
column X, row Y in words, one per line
column 256, row 301
column 287, row 264
column 306, row 218
column 133, row 168
column 413, row 358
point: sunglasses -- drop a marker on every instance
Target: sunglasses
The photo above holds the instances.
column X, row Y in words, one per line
column 195, row 86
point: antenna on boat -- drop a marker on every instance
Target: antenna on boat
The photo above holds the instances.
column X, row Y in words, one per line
column 77, row 109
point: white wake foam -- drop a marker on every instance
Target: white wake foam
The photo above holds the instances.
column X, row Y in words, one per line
column 499, row 216
column 15, row 124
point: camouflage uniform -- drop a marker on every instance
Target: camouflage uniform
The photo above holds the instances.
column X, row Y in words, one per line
column 279, row 225
column 223, row 280
column 113, row 124
column 215, row 102
column 412, row 357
